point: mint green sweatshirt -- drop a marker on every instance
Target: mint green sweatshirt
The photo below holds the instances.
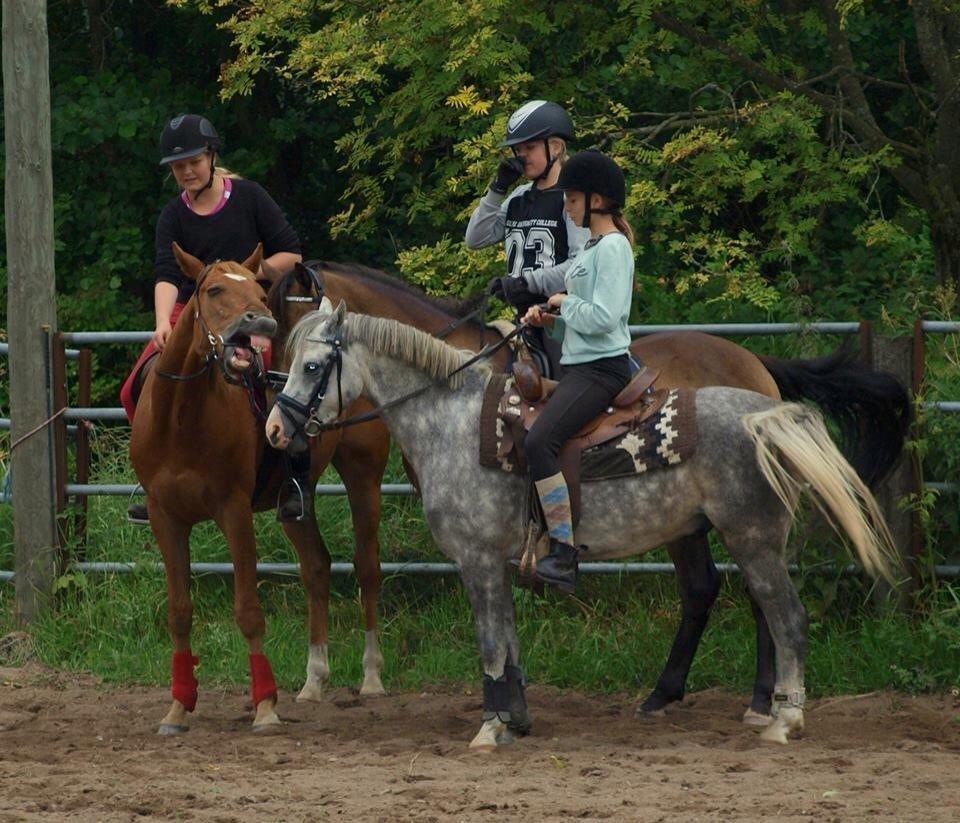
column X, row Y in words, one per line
column 593, row 319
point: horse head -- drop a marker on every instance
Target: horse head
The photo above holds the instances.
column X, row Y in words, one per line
column 318, row 387
column 231, row 317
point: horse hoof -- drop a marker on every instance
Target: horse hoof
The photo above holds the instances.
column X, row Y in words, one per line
column 270, row 724
column 310, row 693
column 167, row 729
column 493, row 734
column 775, row 733
column 642, row 712
column 753, row 718
column 372, row 687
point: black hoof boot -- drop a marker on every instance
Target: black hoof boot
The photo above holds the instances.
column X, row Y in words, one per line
column 137, row 513
column 559, row 567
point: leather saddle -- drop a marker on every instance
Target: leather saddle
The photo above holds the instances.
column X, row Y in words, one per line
column 526, row 395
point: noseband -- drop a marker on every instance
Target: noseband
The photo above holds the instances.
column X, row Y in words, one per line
column 214, row 355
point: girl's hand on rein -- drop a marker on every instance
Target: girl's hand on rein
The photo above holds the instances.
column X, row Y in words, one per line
column 161, row 334
column 556, row 299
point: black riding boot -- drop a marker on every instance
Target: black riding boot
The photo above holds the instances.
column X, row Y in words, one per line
column 295, row 500
column 559, row 567
column 137, row 513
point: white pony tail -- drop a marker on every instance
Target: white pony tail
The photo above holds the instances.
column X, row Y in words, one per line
column 793, row 449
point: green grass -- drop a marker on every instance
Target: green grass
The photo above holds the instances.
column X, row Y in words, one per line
column 614, row 637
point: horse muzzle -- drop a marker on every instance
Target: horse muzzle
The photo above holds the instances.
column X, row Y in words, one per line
column 244, row 338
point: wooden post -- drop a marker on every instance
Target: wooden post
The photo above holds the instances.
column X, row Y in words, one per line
column 31, row 298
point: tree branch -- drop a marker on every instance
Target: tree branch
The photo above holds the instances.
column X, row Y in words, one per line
column 867, row 130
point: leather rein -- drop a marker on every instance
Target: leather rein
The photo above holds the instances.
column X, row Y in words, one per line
column 305, row 415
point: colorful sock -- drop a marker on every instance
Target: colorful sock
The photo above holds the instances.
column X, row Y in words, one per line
column 555, row 500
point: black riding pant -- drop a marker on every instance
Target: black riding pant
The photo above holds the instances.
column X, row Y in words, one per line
column 585, row 390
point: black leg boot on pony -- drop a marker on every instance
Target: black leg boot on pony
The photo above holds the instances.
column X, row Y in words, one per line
column 295, row 500
column 559, row 567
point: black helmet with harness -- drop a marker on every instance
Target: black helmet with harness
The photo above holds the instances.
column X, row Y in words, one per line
column 592, row 172
column 188, row 135
column 539, row 120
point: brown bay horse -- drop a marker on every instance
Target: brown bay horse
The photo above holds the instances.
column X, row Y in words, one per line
column 872, row 408
column 196, row 446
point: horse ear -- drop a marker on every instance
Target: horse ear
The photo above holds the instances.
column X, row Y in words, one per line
column 341, row 312
column 189, row 265
column 252, row 263
column 303, row 274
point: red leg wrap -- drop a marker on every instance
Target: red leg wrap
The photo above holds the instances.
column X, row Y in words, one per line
column 184, row 686
column 262, row 684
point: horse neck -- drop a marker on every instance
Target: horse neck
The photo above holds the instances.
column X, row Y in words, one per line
column 387, row 378
column 179, row 356
column 367, row 296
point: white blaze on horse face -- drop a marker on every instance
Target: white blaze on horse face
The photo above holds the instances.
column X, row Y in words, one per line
column 233, row 276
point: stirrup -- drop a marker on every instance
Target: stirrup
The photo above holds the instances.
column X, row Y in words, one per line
column 284, row 500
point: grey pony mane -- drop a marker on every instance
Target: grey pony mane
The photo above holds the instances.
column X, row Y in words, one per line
column 382, row 335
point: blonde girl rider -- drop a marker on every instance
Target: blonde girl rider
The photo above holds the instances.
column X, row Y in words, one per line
column 593, row 313
column 216, row 216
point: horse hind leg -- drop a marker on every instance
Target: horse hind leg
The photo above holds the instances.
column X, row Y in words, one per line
column 699, row 583
column 759, row 711
column 774, row 592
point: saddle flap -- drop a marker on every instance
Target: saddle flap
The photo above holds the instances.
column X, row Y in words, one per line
column 634, row 390
column 527, row 380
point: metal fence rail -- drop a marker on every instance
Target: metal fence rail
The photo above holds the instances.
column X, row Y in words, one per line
column 721, row 329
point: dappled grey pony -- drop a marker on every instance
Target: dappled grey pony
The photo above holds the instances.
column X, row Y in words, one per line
column 753, row 459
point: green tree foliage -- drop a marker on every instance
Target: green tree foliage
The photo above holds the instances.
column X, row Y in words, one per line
column 772, row 149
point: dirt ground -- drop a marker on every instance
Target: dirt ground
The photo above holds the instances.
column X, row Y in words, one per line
column 71, row 748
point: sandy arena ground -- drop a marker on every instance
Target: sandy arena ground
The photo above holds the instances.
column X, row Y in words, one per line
column 71, row 748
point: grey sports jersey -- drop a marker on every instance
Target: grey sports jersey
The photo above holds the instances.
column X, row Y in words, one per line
column 540, row 239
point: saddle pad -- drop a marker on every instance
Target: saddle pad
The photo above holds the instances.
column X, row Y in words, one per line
column 666, row 438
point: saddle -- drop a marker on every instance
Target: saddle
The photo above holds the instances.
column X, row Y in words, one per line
column 526, row 395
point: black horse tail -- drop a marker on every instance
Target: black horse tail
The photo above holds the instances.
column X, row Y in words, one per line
column 871, row 408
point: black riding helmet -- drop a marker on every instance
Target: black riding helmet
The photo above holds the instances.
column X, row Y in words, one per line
column 539, row 120
column 187, row 135
column 592, row 172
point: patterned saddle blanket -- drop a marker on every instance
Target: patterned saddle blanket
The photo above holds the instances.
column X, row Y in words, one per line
column 667, row 437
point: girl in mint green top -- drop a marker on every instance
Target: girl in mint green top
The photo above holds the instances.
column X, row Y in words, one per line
column 592, row 324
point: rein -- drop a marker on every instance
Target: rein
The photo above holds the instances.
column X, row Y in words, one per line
column 308, row 411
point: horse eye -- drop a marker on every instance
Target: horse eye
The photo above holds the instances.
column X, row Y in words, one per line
column 310, row 368
column 213, row 291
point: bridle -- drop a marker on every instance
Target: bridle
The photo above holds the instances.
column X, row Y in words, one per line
column 214, row 355
column 305, row 416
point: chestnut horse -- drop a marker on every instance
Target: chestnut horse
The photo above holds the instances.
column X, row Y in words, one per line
column 196, row 446
column 872, row 409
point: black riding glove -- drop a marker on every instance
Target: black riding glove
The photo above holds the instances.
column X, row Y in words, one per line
column 508, row 171
column 516, row 291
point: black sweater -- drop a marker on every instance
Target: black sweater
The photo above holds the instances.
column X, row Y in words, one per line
column 249, row 216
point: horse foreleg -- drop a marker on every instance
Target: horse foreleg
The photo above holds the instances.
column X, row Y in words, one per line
column 485, row 588
column 361, row 460
column 173, row 538
column 236, row 522
column 699, row 583
column 315, row 575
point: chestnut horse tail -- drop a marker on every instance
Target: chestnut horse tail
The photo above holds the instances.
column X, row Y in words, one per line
column 871, row 408
column 795, row 453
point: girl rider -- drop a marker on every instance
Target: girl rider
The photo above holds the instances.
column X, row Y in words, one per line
column 540, row 239
column 216, row 216
column 592, row 323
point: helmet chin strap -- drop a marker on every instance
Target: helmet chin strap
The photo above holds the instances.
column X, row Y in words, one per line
column 589, row 211
column 550, row 160
column 209, row 183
